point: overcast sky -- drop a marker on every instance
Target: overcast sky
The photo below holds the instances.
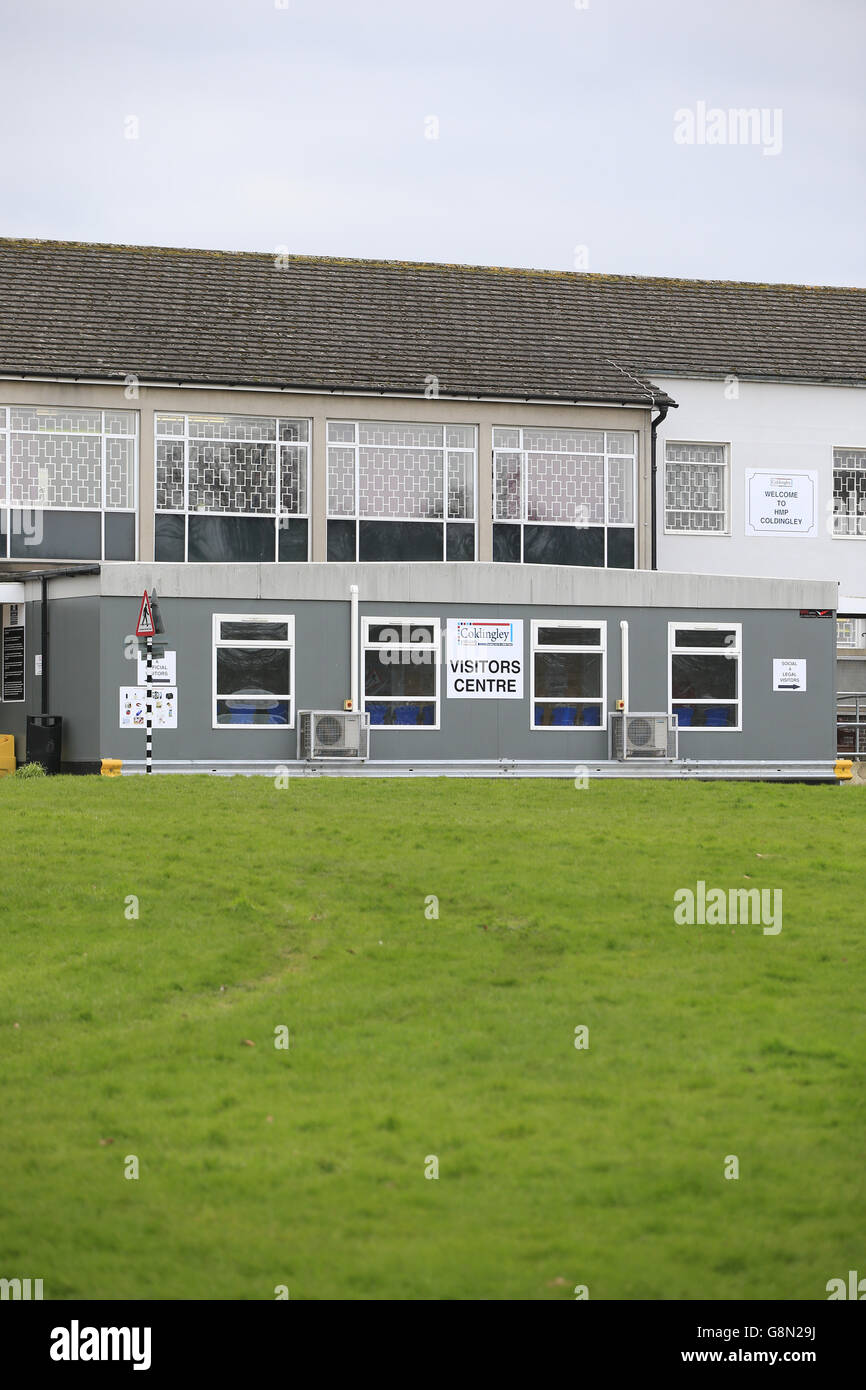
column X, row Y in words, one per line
column 307, row 124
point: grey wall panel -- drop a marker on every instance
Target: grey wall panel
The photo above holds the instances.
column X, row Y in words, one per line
column 73, row 686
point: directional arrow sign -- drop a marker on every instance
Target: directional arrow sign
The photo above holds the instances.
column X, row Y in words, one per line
column 145, row 626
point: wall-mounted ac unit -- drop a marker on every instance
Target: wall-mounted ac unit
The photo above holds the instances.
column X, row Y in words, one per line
column 643, row 736
column 327, row 733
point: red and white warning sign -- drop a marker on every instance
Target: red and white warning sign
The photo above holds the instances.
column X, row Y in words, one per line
column 145, row 626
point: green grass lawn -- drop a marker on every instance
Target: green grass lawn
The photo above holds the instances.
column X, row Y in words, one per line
column 412, row 1037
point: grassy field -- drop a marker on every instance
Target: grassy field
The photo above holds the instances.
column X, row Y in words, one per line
column 412, row 1037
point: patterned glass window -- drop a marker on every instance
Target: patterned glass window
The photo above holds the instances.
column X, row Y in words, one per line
column 696, row 487
column 229, row 465
column 390, row 481
column 237, row 487
column 563, row 476
column 564, row 496
column 849, row 492
column 61, row 458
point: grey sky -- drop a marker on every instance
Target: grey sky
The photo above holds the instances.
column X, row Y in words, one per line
column 304, row 127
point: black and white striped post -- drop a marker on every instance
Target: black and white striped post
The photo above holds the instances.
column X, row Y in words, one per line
column 146, row 627
column 148, row 745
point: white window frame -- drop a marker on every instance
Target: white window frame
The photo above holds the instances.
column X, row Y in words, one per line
column 726, row 464
column 444, row 521
column 186, row 511
column 435, row 647
column 523, row 521
column 6, row 432
column 219, row 642
column 734, row 652
column 600, row 649
column 860, row 533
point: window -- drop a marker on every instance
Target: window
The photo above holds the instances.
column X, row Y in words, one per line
column 850, row 632
column 564, row 496
column 849, row 492
column 705, row 674
column 68, row 483
column 253, row 670
column 696, row 488
column 232, row 488
column 400, row 491
column 569, row 675
column 851, row 725
column 401, row 672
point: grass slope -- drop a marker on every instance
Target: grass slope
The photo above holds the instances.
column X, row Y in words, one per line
column 413, row 1037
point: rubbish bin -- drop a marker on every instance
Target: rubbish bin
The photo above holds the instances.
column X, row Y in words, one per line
column 44, row 736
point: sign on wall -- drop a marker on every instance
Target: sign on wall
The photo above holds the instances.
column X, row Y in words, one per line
column 781, row 504
column 789, row 674
column 485, row 658
column 164, row 670
column 13, row 654
column 133, row 706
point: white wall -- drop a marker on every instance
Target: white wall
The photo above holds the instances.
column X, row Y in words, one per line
column 778, row 428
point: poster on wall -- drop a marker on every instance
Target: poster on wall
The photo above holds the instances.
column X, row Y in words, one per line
column 12, row 660
column 133, row 706
column 485, row 658
column 781, row 504
column 789, row 674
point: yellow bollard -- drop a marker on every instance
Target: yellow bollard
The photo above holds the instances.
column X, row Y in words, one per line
column 111, row 767
column 843, row 769
column 7, row 755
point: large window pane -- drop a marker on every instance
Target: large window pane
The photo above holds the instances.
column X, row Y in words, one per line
column 563, row 675
column 703, row 677
column 253, row 671
column 563, row 545
column 55, row 535
column 400, row 540
column 399, row 673
column 223, row 539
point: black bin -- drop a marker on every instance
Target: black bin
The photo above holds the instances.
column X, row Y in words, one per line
column 44, row 735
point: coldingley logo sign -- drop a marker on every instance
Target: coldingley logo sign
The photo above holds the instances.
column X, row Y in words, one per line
column 713, row 907
column 76, row 1343
column 485, row 658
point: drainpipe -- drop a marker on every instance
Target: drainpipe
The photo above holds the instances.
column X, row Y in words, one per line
column 353, row 647
column 662, row 415
column 44, row 620
column 623, row 628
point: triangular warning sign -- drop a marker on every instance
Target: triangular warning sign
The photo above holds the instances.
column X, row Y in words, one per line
column 145, row 626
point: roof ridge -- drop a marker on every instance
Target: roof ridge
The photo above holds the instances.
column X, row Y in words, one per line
column 596, row 277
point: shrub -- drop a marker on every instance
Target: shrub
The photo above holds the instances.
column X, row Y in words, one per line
column 31, row 770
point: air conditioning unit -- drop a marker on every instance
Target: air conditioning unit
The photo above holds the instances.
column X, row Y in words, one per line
column 329, row 733
column 643, row 736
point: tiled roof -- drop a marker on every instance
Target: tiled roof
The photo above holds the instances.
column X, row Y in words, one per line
column 78, row 310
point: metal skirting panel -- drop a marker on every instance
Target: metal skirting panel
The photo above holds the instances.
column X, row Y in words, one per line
column 685, row 769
